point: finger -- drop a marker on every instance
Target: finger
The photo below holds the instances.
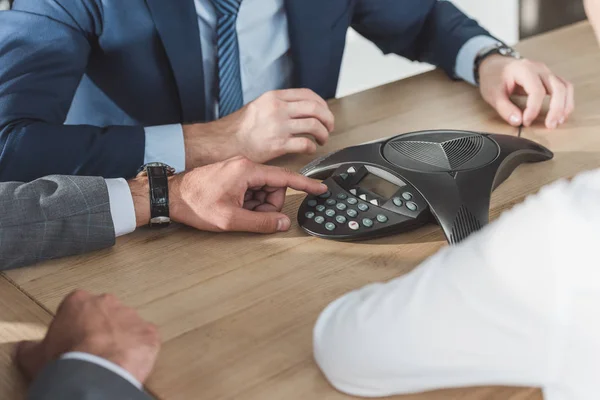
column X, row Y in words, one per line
column 309, row 126
column 570, row 101
column 260, row 195
column 266, row 175
column 506, row 108
column 558, row 100
column 312, row 109
column 258, row 222
column 251, row 204
column 275, row 199
column 30, row 359
column 300, row 145
column 299, row 95
column 268, row 207
column 73, row 299
column 536, row 92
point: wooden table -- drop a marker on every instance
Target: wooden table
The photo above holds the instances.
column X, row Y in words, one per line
column 236, row 311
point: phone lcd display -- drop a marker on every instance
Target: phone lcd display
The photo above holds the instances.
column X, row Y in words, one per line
column 378, row 186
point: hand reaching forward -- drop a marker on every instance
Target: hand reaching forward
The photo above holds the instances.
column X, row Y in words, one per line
column 232, row 195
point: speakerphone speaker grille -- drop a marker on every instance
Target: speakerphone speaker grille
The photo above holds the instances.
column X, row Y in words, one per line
column 449, row 155
column 462, row 150
column 464, row 224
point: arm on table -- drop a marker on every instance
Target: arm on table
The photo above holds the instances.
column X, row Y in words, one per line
column 497, row 309
column 44, row 52
column 74, row 379
column 53, row 217
column 429, row 31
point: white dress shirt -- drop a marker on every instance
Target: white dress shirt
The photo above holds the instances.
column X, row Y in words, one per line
column 515, row 304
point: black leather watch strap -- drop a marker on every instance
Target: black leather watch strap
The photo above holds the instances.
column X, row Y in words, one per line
column 159, row 195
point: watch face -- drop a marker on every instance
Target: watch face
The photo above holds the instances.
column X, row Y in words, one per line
column 143, row 171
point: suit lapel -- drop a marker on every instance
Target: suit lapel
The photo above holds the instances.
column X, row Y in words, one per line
column 177, row 25
column 314, row 35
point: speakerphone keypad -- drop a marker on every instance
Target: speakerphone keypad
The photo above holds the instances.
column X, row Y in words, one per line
column 347, row 211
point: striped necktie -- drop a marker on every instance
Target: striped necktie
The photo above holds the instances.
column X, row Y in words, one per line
column 231, row 97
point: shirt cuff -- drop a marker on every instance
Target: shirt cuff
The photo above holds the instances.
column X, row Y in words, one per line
column 465, row 60
column 165, row 144
column 77, row 355
column 121, row 206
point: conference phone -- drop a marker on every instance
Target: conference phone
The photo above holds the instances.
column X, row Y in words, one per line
column 397, row 184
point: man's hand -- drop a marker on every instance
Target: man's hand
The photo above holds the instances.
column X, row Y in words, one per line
column 232, row 195
column 500, row 77
column 277, row 123
column 98, row 325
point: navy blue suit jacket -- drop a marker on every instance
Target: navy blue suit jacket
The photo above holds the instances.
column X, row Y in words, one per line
column 80, row 79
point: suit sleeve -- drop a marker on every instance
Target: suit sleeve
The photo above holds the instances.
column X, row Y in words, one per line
column 81, row 380
column 44, row 52
column 53, row 217
column 426, row 30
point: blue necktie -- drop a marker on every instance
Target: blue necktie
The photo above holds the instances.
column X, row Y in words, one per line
column 231, row 97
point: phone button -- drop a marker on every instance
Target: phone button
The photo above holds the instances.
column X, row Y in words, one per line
column 382, row 218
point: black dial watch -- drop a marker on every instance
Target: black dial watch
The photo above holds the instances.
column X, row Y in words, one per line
column 498, row 48
column 157, row 174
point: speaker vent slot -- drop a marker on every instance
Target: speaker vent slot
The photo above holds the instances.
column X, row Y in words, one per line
column 449, row 155
column 464, row 224
column 462, row 150
column 425, row 152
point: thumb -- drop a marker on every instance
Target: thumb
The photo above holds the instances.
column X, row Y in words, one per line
column 29, row 357
column 260, row 222
column 507, row 109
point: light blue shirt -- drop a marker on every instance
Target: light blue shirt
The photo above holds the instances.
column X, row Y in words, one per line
column 265, row 64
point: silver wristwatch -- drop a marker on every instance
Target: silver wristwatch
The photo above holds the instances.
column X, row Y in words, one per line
column 498, row 48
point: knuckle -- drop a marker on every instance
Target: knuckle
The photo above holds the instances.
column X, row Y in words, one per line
column 263, row 224
column 76, row 296
column 287, row 171
column 153, row 332
column 307, row 145
column 569, row 85
column 109, row 298
column 242, row 164
column 306, row 92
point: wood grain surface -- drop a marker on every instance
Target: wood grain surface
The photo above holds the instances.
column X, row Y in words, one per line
column 236, row 311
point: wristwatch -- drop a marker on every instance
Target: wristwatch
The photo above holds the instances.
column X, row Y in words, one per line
column 158, row 174
column 498, row 48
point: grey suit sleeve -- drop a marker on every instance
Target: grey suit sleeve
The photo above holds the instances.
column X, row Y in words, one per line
column 81, row 380
column 52, row 217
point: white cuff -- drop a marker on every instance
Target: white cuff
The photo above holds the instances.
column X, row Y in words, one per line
column 121, row 206
column 165, row 144
column 465, row 60
column 123, row 373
